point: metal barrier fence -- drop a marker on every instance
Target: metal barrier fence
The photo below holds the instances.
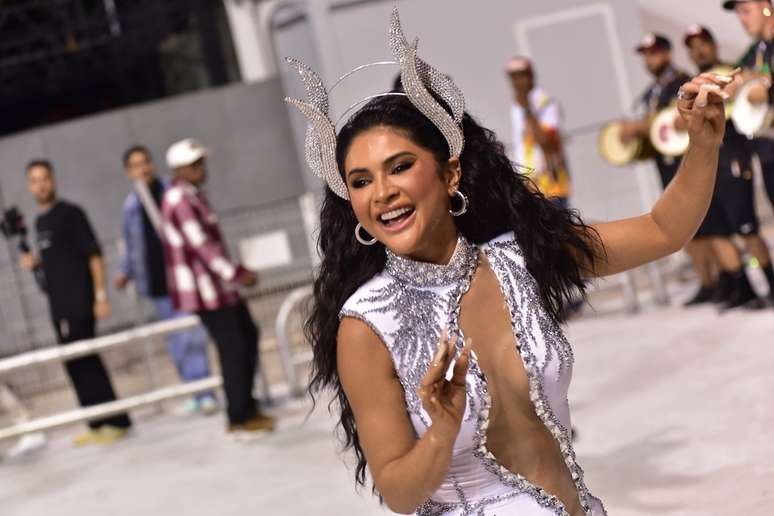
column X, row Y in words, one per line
column 25, row 324
column 289, row 354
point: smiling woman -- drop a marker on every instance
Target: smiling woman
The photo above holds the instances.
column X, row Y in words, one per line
column 439, row 333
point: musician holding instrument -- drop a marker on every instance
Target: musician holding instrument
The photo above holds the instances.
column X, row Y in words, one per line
column 732, row 211
column 656, row 51
column 757, row 18
column 536, row 131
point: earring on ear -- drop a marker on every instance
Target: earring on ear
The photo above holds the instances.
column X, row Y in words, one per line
column 464, row 204
column 364, row 240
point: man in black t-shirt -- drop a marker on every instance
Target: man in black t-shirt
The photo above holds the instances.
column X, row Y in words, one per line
column 74, row 274
column 732, row 211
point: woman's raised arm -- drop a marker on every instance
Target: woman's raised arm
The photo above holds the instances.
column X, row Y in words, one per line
column 678, row 213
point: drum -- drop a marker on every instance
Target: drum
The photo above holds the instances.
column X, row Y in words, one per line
column 749, row 118
column 667, row 140
column 619, row 154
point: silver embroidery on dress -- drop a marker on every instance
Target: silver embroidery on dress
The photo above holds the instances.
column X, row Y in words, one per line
column 424, row 274
column 505, row 268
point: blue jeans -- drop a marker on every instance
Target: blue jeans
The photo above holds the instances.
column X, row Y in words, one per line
column 188, row 348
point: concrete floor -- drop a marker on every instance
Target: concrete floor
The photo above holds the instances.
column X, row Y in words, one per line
column 673, row 408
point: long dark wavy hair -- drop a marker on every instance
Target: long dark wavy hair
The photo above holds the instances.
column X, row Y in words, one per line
column 557, row 245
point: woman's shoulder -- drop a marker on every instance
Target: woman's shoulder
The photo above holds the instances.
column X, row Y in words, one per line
column 364, row 298
column 364, row 305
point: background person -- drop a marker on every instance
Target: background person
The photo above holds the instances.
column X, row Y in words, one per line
column 74, row 273
column 536, row 120
column 143, row 263
column 204, row 280
column 732, row 211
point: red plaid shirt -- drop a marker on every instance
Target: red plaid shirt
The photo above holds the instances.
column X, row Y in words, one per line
column 200, row 275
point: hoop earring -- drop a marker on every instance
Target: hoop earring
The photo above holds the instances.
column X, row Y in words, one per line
column 464, row 208
column 360, row 237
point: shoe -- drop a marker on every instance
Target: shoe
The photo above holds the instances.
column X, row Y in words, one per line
column 260, row 424
column 88, row 437
column 742, row 293
column 186, row 409
column 106, row 434
column 26, row 445
column 723, row 288
column 704, row 295
column 208, row 405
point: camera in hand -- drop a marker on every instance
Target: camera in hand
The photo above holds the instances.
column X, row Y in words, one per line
column 12, row 225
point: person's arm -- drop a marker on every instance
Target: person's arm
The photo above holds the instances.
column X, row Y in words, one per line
column 406, row 469
column 101, row 303
column 678, row 213
column 86, row 242
column 211, row 252
column 125, row 269
column 545, row 136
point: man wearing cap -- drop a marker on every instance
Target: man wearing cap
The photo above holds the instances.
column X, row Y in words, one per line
column 204, row 280
column 757, row 18
column 656, row 51
column 732, row 210
column 536, row 130
column 142, row 263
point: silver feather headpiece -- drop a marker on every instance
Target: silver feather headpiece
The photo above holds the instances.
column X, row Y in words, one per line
column 419, row 80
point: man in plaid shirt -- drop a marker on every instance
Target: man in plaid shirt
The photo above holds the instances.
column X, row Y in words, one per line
column 203, row 279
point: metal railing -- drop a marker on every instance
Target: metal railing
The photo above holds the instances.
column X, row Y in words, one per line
column 101, row 344
column 291, row 359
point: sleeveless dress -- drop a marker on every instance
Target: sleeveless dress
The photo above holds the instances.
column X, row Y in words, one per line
column 407, row 305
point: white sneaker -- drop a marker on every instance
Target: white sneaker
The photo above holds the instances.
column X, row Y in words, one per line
column 208, row 406
column 186, row 409
column 26, row 445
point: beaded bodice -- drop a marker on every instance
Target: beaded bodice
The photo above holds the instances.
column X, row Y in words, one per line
column 408, row 304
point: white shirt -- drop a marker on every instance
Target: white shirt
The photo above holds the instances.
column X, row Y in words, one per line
column 526, row 152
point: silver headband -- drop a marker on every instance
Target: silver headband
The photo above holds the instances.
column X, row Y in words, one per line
column 419, row 80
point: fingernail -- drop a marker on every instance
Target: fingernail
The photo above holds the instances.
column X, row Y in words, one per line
column 439, row 354
column 723, row 78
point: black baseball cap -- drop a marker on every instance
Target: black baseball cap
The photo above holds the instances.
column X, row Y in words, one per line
column 729, row 5
column 652, row 41
column 697, row 31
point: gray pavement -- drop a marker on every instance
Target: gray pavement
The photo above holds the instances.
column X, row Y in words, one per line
column 673, row 407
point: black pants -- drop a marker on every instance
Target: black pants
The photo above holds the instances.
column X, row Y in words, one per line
column 236, row 338
column 768, row 179
column 88, row 374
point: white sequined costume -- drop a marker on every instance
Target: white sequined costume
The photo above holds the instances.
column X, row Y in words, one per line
column 407, row 304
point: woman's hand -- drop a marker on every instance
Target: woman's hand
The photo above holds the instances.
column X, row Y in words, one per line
column 444, row 400
column 702, row 106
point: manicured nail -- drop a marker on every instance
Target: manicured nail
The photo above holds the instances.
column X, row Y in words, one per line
column 440, row 353
column 723, row 78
